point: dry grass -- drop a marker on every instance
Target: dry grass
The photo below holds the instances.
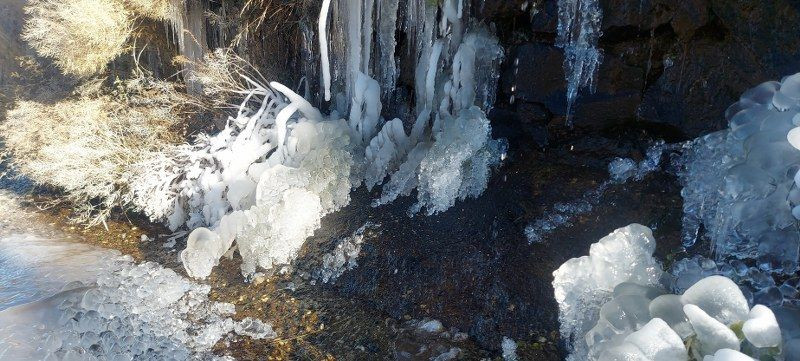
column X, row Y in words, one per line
column 84, row 146
column 82, row 36
column 156, row 9
column 269, row 15
column 225, row 78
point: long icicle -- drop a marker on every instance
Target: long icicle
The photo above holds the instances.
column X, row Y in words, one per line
column 323, row 48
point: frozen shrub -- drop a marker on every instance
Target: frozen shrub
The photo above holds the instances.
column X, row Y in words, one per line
column 264, row 181
column 613, row 307
column 224, row 77
column 82, row 36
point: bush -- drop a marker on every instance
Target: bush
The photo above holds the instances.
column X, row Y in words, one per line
column 86, row 145
column 82, row 36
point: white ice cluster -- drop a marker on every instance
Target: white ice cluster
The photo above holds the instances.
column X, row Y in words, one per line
column 509, row 348
column 344, row 256
column 579, row 24
column 451, row 158
column 141, row 312
column 612, row 307
column 740, row 183
column 583, row 284
column 273, row 183
column 623, row 169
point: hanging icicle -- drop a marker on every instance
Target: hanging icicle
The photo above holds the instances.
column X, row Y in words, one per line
column 579, row 24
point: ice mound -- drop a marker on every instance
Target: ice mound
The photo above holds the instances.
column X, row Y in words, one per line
column 740, row 183
column 311, row 178
column 761, row 327
column 130, row 311
column 613, row 307
column 583, row 284
column 654, row 341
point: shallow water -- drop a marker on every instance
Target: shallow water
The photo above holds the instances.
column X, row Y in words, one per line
column 33, row 268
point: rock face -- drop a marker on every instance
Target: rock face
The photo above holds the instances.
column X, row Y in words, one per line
column 676, row 62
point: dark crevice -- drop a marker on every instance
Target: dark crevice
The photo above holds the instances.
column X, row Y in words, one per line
column 713, row 30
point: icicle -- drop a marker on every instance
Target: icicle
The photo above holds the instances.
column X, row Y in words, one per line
column 578, row 32
column 190, row 27
column 367, row 30
column 365, row 111
column 323, row 48
column 354, row 43
column 430, row 77
column 387, row 66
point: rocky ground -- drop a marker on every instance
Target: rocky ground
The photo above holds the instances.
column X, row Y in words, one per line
column 471, row 267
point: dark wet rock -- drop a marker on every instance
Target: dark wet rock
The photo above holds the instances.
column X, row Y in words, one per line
column 471, row 267
column 538, row 77
column 677, row 62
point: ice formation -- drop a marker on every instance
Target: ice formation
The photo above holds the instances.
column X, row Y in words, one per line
column 583, row 284
column 454, row 87
column 612, row 306
column 579, row 24
column 344, row 256
column 739, row 183
column 509, row 348
column 322, row 26
column 620, row 170
column 121, row 311
column 279, row 165
column 453, row 163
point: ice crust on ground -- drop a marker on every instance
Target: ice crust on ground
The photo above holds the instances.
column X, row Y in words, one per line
column 123, row 311
column 344, row 256
column 620, row 170
column 739, row 183
column 613, row 306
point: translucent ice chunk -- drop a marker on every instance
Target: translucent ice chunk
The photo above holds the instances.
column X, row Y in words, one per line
column 728, row 355
column 761, row 327
column 711, row 334
column 669, row 308
column 658, row 342
column 583, row 284
column 719, row 298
